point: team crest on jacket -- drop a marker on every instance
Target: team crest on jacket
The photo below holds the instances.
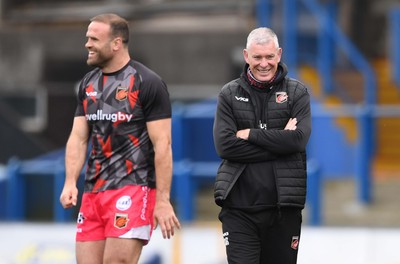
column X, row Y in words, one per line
column 121, row 94
column 281, row 97
column 121, row 220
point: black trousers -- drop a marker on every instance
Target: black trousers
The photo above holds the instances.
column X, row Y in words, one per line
column 265, row 237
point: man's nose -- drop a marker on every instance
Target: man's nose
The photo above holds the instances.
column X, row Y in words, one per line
column 264, row 63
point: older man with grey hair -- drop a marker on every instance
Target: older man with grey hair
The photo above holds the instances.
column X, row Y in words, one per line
column 261, row 128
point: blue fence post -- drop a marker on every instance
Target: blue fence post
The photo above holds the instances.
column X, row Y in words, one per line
column 60, row 214
column 15, row 191
column 314, row 192
column 290, row 35
column 184, row 191
column 262, row 13
column 182, row 186
column 325, row 48
column 155, row 259
column 363, row 155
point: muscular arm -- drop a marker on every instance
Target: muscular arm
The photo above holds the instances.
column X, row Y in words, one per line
column 227, row 144
column 160, row 135
column 75, row 156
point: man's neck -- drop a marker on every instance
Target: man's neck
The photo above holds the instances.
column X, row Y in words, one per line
column 116, row 64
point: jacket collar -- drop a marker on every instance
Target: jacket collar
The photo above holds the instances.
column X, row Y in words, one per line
column 282, row 72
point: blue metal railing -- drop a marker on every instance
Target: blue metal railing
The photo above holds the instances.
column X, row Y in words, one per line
column 325, row 64
column 314, row 193
column 364, row 115
column 17, row 171
column 329, row 28
column 362, row 160
column 290, row 35
column 329, row 34
column 262, row 7
column 330, row 37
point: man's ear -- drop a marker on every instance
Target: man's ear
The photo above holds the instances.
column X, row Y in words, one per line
column 117, row 43
column 280, row 54
column 246, row 55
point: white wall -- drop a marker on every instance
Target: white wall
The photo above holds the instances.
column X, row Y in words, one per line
column 46, row 243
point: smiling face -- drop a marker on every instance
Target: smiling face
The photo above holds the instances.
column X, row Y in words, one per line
column 99, row 44
column 263, row 59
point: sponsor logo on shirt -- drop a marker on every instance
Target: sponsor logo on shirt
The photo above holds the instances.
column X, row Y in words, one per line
column 91, row 94
column 124, row 203
column 115, row 117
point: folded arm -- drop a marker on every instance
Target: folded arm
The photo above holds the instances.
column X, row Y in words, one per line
column 294, row 137
column 227, row 144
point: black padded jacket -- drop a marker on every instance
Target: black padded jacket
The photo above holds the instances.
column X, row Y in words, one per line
column 286, row 149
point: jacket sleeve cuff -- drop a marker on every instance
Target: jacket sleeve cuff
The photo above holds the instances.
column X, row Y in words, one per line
column 253, row 135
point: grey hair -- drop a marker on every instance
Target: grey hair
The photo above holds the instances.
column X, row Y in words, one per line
column 262, row 35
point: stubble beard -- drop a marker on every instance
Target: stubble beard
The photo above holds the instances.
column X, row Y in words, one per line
column 99, row 61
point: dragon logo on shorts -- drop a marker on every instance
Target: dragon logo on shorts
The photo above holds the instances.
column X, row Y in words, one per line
column 121, row 220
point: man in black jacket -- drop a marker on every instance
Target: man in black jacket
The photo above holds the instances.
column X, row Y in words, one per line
column 261, row 129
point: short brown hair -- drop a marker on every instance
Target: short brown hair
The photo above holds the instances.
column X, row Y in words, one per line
column 119, row 26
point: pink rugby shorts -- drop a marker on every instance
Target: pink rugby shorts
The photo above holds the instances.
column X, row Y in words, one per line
column 122, row 213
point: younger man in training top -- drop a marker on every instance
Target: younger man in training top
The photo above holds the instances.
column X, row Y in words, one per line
column 125, row 112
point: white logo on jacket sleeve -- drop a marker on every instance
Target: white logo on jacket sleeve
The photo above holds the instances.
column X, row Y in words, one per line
column 243, row 99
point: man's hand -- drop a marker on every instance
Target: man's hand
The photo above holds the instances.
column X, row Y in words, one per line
column 291, row 124
column 243, row 134
column 165, row 217
column 69, row 196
